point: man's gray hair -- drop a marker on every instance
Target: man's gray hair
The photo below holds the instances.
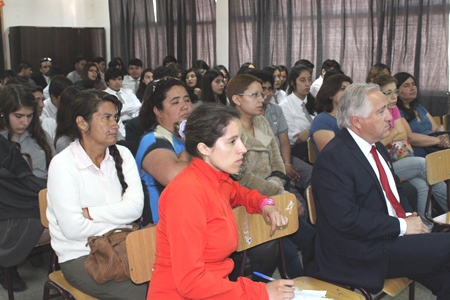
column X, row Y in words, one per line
column 355, row 101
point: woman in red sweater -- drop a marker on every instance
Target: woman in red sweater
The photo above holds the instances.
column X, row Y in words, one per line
column 197, row 231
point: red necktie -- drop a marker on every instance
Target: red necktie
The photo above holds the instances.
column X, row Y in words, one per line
column 385, row 184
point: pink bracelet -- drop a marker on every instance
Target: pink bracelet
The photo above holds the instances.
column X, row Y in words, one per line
column 266, row 201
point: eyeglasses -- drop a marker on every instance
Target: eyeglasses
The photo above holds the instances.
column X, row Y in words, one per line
column 255, row 95
column 391, row 93
column 46, row 59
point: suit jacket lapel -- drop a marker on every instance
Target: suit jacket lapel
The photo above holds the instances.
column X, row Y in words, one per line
column 361, row 158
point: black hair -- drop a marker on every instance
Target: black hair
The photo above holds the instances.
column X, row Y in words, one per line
column 58, row 84
column 199, row 76
column 375, row 70
column 142, row 86
column 98, row 59
column 154, row 96
column 330, row 87
column 263, row 75
column 64, row 112
column 244, row 67
column 113, row 73
column 169, row 59
column 85, row 105
column 12, row 98
column 135, row 62
column 161, row 72
column 285, row 83
column 78, row 59
column 55, row 71
column 201, row 64
column 206, row 124
column 207, row 92
column 22, row 65
column 304, row 62
column 293, row 75
column 410, row 112
column 330, row 64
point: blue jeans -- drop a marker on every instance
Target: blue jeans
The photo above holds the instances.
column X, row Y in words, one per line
column 414, row 170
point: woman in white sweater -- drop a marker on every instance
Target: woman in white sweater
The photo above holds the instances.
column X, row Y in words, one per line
column 93, row 187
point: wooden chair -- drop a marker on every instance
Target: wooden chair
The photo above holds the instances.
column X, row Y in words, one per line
column 312, row 155
column 56, row 278
column 445, row 122
column 392, row 287
column 438, row 170
column 253, row 230
column 141, row 248
column 437, row 119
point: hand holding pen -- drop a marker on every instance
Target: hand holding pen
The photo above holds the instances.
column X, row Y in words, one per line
column 278, row 289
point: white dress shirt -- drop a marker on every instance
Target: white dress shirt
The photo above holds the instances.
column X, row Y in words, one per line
column 295, row 116
column 131, row 105
column 365, row 148
column 315, row 87
column 50, row 109
column 130, row 83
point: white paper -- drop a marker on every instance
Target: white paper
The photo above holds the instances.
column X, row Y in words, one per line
column 309, row 295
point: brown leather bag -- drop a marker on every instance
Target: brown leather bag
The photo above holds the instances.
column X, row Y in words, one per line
column 108, row 257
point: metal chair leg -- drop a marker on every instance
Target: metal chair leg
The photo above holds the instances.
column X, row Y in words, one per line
column 9, row 283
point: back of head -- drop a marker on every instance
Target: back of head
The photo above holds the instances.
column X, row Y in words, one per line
column 330, row 64
column 22, row 65
column 262, row 75
column 331, row 73
column 201, row 64
column 55, row 71
column 376, row 69
column 58, row 84
column 239, row 84
column 206, row 124
column 355, row 102
column 304, row 62
column 169, row 59
column 161, row 72
column 244, row 67
column 383, row 79
column 176, row 70
column 64, row 112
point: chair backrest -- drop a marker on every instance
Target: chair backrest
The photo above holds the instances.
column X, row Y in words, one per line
column 311, row 205
column 438, row 164
column 445, row 119
column 437, row 119
column 141, row 248
column 43, row 207
column 253, row 230
column 311, row 152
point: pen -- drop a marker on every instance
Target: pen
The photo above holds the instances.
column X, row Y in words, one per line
column 269, row 278
column 264, row 276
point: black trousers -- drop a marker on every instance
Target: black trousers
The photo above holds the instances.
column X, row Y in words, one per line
column 424, row 258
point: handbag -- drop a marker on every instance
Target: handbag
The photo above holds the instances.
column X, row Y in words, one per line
column 399, row 149
column 108, row 257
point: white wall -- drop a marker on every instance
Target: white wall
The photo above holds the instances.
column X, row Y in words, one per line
column 222, row 35
column 55, row 13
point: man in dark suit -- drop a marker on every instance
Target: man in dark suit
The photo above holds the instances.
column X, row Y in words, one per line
column 363, row 235
column 42, row 79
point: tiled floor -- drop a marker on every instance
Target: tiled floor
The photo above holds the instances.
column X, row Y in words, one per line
column 36, row 277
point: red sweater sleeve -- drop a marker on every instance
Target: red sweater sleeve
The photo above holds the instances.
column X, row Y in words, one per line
column 242, row 196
